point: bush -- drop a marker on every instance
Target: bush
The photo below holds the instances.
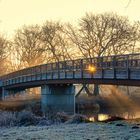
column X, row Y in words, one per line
column 77, row 119
column 55, row 116
column 8, row 119
column 26, row 118
column 44, row 122
column 35, row 108
column 62, row 117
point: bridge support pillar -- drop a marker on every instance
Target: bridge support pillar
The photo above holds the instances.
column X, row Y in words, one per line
column 0, row 93
column 96, row 90
column 6, row 93
column 58, row 97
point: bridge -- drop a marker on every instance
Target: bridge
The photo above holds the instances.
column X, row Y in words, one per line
column 57, row 79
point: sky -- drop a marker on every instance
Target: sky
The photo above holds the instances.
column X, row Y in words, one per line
column 16, row 13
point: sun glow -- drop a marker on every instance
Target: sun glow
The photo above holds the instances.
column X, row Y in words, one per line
column 92, row 68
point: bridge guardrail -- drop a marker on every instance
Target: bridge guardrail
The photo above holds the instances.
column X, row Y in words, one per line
column 120, row 66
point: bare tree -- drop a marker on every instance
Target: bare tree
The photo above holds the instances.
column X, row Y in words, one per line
column 136, row 46
column 56, row 42
column 28, row 47
column 4, row 53
column 103, row 34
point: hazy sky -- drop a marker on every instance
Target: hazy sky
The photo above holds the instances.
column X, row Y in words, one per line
column 15, row 13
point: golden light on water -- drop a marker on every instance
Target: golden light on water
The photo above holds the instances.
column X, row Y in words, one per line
column 103, row 117
column 91, row 68
column 91, row 119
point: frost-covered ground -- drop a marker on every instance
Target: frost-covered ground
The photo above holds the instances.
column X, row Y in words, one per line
column 116, row 130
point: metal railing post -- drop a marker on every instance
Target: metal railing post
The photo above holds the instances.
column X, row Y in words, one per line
column 65, row 69
column 58, row 70
column 73, row 70
column 81, row 63
column 127, row 67
column 114, row 67
column 51, row 70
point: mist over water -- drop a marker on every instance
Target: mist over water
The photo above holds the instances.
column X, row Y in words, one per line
column 120, row 104
column 19, row 101
column 112, row 101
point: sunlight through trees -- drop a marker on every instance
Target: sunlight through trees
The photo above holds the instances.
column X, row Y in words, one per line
column 95, row 35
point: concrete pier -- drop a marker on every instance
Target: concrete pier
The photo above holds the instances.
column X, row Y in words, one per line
column 96, row 90
column 0, row 93
column 58, row 97
column 13, row 92
column 5, row 93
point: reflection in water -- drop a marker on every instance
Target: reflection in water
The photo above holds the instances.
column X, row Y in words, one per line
column 19, row 101
column 99, row 117
column 92, row 119
column 115, row 103
column 129, row 115
column 103, row 117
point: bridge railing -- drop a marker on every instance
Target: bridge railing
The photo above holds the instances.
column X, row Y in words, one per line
column 118, row 62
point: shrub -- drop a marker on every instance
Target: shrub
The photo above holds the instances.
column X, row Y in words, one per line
column 7, row 119
column 77, row 119
column 55, row 116
column 26, row 118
